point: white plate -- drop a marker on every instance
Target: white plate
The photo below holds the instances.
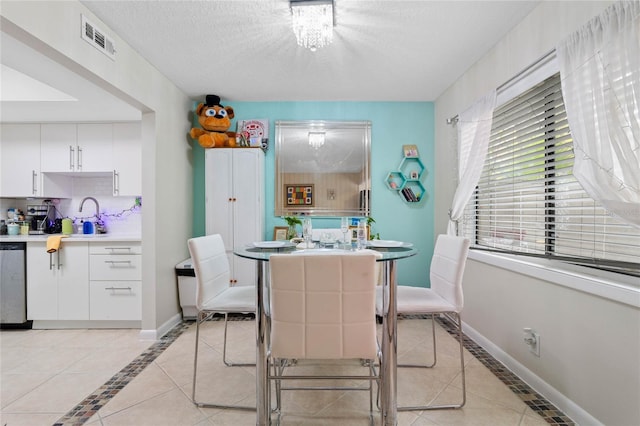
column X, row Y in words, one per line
column 386, row 243
column 269, row 244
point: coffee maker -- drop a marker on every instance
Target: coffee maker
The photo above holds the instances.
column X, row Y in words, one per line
column 43, row 219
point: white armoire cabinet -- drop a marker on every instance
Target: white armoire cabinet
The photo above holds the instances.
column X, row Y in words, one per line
column 234, row 200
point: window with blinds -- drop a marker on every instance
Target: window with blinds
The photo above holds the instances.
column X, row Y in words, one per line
column 527, row 200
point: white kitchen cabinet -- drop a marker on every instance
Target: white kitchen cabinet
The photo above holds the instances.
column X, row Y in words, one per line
column 20, row 160
column 58, row 283
column 234, row 199
column 76, row 147
column 115, row 281
column 127, row 159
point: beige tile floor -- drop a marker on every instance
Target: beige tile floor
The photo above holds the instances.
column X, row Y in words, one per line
column 46, row 373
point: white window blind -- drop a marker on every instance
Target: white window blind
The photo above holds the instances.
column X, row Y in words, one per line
column 527, row 200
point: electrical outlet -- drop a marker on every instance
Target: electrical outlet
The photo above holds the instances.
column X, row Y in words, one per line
column 532, row 339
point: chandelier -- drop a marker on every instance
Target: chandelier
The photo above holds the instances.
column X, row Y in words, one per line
column 316, row 139
column 312, row 22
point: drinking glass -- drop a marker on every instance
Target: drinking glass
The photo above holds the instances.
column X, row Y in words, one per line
column 344, row 227
column 362, row 235
column 307, row 229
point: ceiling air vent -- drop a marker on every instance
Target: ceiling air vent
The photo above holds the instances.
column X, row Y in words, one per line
column 97, row 38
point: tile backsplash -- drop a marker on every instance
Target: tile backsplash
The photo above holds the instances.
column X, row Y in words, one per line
column 121, row 214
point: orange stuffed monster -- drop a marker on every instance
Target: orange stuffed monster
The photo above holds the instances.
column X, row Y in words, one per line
column 215, row 120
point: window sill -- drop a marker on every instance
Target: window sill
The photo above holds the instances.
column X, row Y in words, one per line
column 608, row 285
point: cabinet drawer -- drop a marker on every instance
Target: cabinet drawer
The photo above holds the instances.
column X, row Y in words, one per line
column 114, row 268
column 115, row 247
column 115, row 300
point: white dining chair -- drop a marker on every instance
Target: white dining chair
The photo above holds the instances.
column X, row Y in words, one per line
column 214, row 294
column 322, row 308
column 444, row 297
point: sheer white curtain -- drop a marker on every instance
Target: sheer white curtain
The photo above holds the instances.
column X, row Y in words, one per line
column 600, row 71
column 474, row 129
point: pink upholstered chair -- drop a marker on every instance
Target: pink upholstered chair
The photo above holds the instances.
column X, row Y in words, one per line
column 445, row 296
column 323, row 308
column 214, row 294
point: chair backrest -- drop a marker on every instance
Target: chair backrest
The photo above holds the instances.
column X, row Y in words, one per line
column 447, row 268
column 323, row 307
column 211, row 266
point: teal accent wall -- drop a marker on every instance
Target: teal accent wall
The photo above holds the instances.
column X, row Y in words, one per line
column 393, row 124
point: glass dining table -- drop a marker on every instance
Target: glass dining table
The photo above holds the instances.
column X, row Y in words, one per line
column 390, row 255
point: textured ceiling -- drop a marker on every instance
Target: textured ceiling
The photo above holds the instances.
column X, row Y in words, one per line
column 391, row 50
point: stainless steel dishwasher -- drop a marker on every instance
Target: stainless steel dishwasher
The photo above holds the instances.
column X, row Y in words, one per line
column 13, row 285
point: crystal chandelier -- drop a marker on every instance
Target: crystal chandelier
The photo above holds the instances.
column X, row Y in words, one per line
column 316, row 139
column 312, row 22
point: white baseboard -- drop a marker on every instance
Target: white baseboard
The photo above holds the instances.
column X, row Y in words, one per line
column 78, row 324
column 162, row 330
column 564, row 404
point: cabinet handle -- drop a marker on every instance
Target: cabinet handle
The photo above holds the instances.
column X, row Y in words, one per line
column 118, row 248
column 71, row 155
column 79, row 158
column 117, row 261
column 118, row 288
column 116, row 182
column 34, row 182
column 51, row 260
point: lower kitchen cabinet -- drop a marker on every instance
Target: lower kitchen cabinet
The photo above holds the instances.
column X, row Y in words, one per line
column 115, row 281
column 115, row 300
column 57, row 283
column 84, row 281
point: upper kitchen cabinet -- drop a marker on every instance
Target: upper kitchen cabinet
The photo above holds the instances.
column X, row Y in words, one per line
column 20, row 174
column 77, row 148
column 127, row 159
column 20, row 160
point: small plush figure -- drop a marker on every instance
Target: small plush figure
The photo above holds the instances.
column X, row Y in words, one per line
column 215, row 120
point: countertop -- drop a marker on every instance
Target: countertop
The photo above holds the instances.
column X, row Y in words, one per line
column 70, row 238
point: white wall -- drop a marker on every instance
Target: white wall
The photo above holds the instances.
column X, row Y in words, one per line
column 53, row 28
column 590, row 345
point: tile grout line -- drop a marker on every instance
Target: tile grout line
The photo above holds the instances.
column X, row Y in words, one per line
column 550, row 413
column 86, row 409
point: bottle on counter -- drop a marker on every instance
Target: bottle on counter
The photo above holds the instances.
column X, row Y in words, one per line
column 3, row 228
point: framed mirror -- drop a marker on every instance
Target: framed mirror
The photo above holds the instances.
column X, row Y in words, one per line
column 323, row 168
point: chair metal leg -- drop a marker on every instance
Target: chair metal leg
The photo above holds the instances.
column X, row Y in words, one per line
column 224, row 349
column 458, row 322
column 433, row 340
column 200, row 318
column 279, row 366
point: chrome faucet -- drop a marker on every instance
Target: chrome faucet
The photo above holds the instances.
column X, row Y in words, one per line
column 100, row 228
column 95, row 201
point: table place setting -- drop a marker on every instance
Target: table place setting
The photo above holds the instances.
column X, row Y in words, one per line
column 387, row 244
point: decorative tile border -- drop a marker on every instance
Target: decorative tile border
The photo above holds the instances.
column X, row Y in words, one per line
column 534, row 400
column 86, row 409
